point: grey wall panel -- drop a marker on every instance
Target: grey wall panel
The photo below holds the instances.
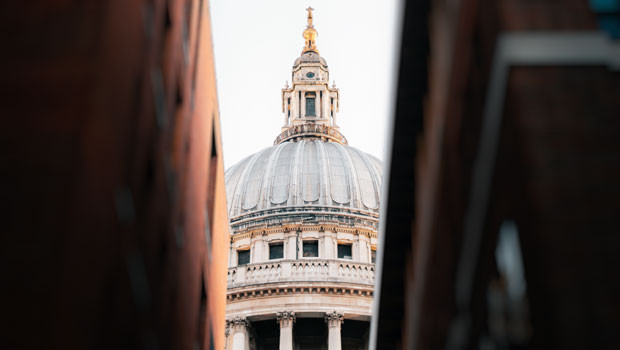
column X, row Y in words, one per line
column 251, row 193
column 281, row 175
column 364, row 177
column 232, row 180
column 338, row 175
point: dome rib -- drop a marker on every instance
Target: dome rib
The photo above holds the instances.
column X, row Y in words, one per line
column 324, row 165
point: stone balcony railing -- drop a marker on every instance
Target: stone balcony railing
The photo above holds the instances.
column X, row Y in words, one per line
column 305, row 270
column 311, row 130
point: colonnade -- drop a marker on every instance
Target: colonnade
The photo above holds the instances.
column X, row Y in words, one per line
column 238, row 329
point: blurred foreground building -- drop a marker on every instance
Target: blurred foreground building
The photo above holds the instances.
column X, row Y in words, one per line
column 504, row 179
column 115, row 229
column 303, row 216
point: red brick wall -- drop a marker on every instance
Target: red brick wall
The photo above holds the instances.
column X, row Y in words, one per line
column 107, row 136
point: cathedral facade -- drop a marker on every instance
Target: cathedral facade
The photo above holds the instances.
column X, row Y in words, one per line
column 303, row 217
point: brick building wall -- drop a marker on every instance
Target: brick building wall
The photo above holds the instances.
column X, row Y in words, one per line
column 115, row 229
column 548, row 166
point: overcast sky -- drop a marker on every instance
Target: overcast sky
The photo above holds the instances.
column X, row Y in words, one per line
column 256, row 43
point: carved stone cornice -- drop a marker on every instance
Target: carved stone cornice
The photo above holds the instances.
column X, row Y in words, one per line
column 293, row 229
column 334, row 319
column 287, row 218
column 286, row 318
column 271, row 291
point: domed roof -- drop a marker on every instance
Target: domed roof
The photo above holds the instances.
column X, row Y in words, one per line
column 310, row 57
column 306, row 174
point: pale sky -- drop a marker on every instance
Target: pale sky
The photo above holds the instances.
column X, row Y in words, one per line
column 256, row 43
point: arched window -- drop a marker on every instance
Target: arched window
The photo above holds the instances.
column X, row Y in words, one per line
column 310, row 104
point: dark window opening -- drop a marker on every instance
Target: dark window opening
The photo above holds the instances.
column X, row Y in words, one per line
column 310, row 111
column 607, row 15
column 276, row 251
column 288, row 103
column 243, row 257
column 311, row 249
column 310, row 104
column 344, row 251
column 373, row 256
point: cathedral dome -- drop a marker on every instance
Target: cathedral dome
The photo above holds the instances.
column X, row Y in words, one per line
column 309, row 175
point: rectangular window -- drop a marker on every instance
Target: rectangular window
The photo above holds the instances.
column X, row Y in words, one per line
column 311, row 249
column 243, row 257
column 276, row 251
column 373, row 255
column 310, row 104
column 344, row 251
column 310, row 111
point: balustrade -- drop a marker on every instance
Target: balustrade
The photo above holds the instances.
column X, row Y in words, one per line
column 305, row 270
column 318, row 130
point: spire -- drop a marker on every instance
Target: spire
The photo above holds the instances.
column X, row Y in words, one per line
column 310, row 34
column 309, row 104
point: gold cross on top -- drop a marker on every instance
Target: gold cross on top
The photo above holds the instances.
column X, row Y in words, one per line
column 309, row 9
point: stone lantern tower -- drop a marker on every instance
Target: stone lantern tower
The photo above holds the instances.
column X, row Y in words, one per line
column 303, row 216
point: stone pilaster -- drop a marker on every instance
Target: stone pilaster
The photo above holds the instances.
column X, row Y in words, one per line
column 334, row 321
column 286, row 320
column 239, row 328
column 227, row 334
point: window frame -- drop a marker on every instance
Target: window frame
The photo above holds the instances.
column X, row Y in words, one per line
column 243, row 251
column 310, row 96
column 350, row 245
column 271, row 244
column 303, row 252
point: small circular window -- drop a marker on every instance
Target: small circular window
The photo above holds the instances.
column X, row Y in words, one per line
column 310, row 74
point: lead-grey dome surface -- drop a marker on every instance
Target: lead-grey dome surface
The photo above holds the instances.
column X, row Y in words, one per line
column 310, row 57
column 305, row 174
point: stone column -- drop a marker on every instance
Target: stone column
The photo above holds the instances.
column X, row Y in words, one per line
column 334, row 321
column 302, row 101
column 286, row 108
column 239, row 329
column 286, row 320
column 258, row 253
column 291, row 245
column 329, row 251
